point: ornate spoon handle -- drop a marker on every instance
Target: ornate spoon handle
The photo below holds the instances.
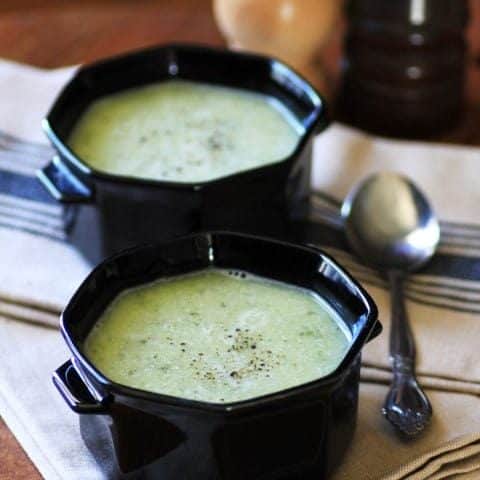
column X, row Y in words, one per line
column 406, row 405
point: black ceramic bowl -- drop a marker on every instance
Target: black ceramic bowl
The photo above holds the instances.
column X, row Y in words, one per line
column 299, row 433
column 111, row 212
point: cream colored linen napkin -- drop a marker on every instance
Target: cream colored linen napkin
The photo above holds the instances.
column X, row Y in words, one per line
column 450, row 446
column 49, row 431
column 39, row 271
column 443, row 298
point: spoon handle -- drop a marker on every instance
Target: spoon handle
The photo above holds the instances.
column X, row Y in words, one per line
column 402, row 344
column 406, row 405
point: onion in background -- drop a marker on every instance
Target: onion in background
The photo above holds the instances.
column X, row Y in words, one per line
column 293, row 30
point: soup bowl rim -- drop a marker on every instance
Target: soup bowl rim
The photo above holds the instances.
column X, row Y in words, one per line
column 318, row 123
column 371, row 329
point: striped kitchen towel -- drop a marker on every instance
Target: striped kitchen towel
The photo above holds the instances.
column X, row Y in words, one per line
column 39, row 271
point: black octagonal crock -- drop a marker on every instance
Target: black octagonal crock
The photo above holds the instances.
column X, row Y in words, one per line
column 108, row 213
column 299, row 433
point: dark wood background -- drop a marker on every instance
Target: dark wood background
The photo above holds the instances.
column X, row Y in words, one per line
column 53, row 33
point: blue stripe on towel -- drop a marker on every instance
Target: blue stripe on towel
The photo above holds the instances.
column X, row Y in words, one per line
column 443, row 265
column 24, row 186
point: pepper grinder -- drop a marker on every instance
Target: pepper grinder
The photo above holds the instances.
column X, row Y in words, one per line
column 293, row 30
column 404, row 66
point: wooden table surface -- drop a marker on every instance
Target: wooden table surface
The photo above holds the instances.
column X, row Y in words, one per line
column 53, row 33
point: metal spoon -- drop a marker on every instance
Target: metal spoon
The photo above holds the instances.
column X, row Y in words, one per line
column 390, row 224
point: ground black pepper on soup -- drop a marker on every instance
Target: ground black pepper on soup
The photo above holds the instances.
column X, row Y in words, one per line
column 217, row 336
column 183, row 131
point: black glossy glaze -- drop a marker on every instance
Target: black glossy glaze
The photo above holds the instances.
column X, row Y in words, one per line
column 109, row 213
column 298, row 433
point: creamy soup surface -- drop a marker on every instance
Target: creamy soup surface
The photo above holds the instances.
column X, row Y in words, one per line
column 183, row 131
column 216, row 336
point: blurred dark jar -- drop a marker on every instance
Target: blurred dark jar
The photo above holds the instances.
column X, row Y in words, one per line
column 404, row 66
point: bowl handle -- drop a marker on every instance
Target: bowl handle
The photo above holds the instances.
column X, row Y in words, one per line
column 376, row 331
column 62, row 184
column 75, row 392
column 324, row 121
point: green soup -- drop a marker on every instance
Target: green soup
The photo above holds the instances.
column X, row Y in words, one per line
column 184, row 132
column 216, row 336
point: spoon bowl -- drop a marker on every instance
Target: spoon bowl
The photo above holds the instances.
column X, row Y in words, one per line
column 390, row 224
